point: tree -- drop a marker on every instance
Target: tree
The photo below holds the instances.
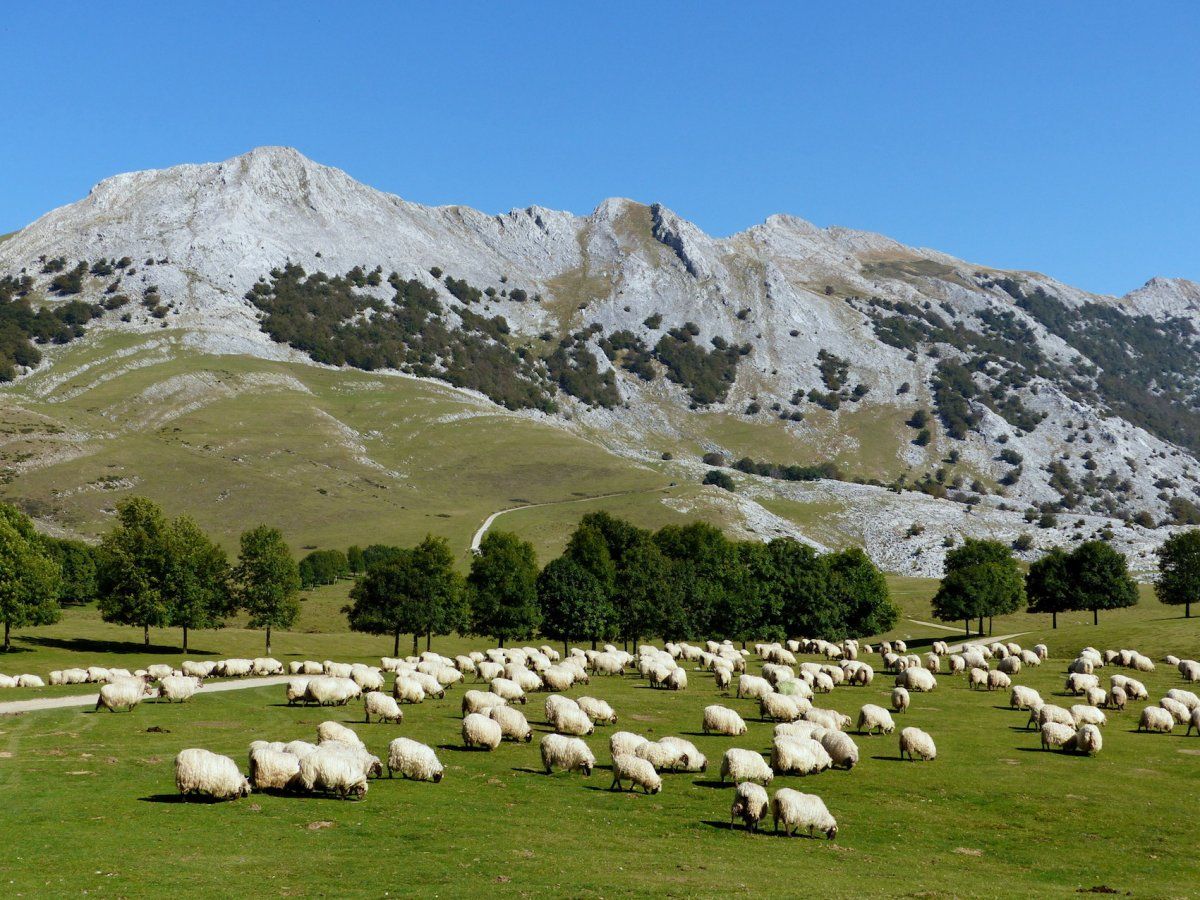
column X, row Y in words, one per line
column 794, row 587
column 860, row 590
column 573, row 603
column 1048, row 584
column 588, row 548
column 267, row 580
column 354, row 559
column 1099, row 578
column 78, row 565
column 981, row 579
column 644, row 588
column 503, row 587
column 323, row 567
column 134, row 565
column 197, row 578
column 29, row 577
column 710, row 580
column 1178, row 581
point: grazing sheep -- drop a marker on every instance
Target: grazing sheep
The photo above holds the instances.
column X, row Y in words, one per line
column 752, row 687
column 328, row 690
column 998, row 681
column 739, row 765
column 1141, row 663
column 664, row 757
column 799, row 811
column 799, row 756
column 1115, row 698
column 337, row 669
column 1010, row 665
column 916, row 742
column 1178, row 711
column 1023, row 697
column 1055, row 734
column 512, row 722
column 487, row 671
column 799, row 729
column 841, row 749
column 722, row 720
column 916, row 679
column 1079, row 682
column 273, row 770
column 1088, row 715
column 829, row 719
column 508, row 689
column 1135, row 689
column 1029, row 658
column 206, row 774
column 872, row 718
column 637, row 771
column 795, row 688
column 336, row 731
column 1187, row 698
column 429, row 684
column 1189, row 669
column 624, row 742
column 690, row 759
column 124, row 694
column 1155, row 718
column 377, row 703
column 312, row 667
column 777, row 707
column 178, row 688
column 1081, row 666
column 297, row 690
column 330, row 770
column 558, row 678
column 367, row 679
column 956, row 664
column 750, row 802
column 1095, row 696
column 900, row 699
column 597, row 710
column 158, row 671
column 676, row 680
column 198, row 669
column 480, row 731
column 1193, row 722
column 265, row 665
column 569, row 754
column 1089, row 740
column 723, row 677
column 413, row 760
column 977, row 678
column 480, row 701
column 572, row 720
column 1048, row 712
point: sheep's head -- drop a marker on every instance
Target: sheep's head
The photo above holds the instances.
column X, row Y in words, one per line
column 831, row 832
column 528, row 736
column 586, row 768
column 437, row 776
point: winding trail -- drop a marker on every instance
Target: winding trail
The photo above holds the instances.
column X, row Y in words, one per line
column 487, row 523
column 20, row 706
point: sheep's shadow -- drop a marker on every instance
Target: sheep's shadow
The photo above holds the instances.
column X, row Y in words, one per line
column 895, row 759
column 175, row 798
column 526, row 770
column 459, row 748
column 709, row 783
column 723, row 826
column 1038, row 749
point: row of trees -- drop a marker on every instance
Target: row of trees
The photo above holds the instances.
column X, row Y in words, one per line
column 615, row 581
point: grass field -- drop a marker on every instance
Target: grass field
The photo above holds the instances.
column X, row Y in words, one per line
column 994, row 814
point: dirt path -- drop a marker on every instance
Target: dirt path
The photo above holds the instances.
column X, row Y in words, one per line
column 487, row 523
column 20, row 706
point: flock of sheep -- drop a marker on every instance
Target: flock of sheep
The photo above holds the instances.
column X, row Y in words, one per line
column 807, row 738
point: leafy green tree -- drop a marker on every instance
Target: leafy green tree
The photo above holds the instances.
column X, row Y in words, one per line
column 323, row 567
column 376, row 553
column 573, row 603
column 645, row 588
column 267, row 580
column 1178, row 581
column 29, row 577
column 860, row 591
column 981, row 579
column 134, row 566
column 1100, row 579
column 354, row 559
column 77, row 562
column 794, row 586
column 197, row 579
column 503, row 587
column 1048, row 584
column 710, row 580
column 588, row 548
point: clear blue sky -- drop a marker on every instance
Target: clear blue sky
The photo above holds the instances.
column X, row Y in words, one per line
column 1063, row 137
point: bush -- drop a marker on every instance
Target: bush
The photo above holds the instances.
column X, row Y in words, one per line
column 713, row 458
column 719, row 479
column 1023, row 542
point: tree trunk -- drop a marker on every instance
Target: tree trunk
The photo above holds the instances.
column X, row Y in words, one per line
column 566, row 651
column 7, row 640
column 1053, row 620
column 1187, row 609
column 428, row 640
column 989, row 626
column 268, row 640
column 185, row 639
column 981, row 626
column 396, row 645
column 416, row 646
column 146, row 635
column 593, row 643
column 500, row 643
column 967, row 626
column 1095, row 615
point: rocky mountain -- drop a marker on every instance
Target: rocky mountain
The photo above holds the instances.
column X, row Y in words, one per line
column 909, row 396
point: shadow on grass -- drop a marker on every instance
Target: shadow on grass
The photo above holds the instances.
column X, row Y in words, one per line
column 1037, row 749
column 89, row 645
column 177, row 798
column 895, row 759
column 459, row 748
column 709, row 783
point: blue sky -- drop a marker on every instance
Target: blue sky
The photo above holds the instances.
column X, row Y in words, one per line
column 1060, row 137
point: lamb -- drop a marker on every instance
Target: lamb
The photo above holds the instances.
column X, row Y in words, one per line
column 799, row 756
column 597, row 710
column 1023, row 697
column 872, row 717
column 1048, row 712
column 480, row 731
column 1087, row 715
column 178, row 688
column 750, row 802
column 1088, row 740
column 624, row 742
column 638, row 772
column 1155, row 718
column 480, row 701
column 377, row 703
column 776, row 707
column 124, row 694
column 273, row 770
column 413, row 760
column 739, row 765
column 512, row 722
column 841, row 749
column 1055, row 734
column 722, row 720
column 915, row 741
column 332, row 771
column 1178, row 711
column 799, row 811
column 916, row 679
column 207, row 774
column 900, row 699
column 567, row 753
column 690, row 759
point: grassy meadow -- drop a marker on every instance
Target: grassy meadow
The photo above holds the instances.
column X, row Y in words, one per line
column 94, row 792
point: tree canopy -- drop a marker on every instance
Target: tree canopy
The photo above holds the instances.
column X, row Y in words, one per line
column 1048, row 584
column 503, row 587
column 1178, row 582
column 267, row 580
column 981, row 579
column 29, row 577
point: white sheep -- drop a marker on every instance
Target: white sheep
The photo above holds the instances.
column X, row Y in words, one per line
column 1187, row 698
column 1095, row 696
column 752, row 687
column 1082, row 714
column 690, row 759
column 273, row 770
column 799, row 756
column 572, row 720
column 799, row 729
column 977, row 678
column 1155, row 718
column 750, row 802
column 336, row 731
column 1023, row 697
column 480, row 701
column 1048, row 712
column 429, row 684
column 480, row 731
column 597, row 710
column 332, row 771
column 997, row 680
column 1078, row 682
column 1194, row 722
column 829, row 719
column 124, row 694
column 1116, row 698
column 624, row 742
column 297, row 690
column 413, row 760
column 777, row 707
column 329, row 690
column 178, row 688
column 1089, row 740
column 916, row 679
column 202, row 773
column 664, row 757
column 512, row 722
column 841, row 749
column 739, row 765
column 567, row 753
column 900, row 699
column 872, row 718
column 722, row 720
column 377, row 703
column 916, row 742
column 265, row 665
column 799, row 811
column 1189, row 669
column 1178, row 711
column 637, row 771
column 1056, row 734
